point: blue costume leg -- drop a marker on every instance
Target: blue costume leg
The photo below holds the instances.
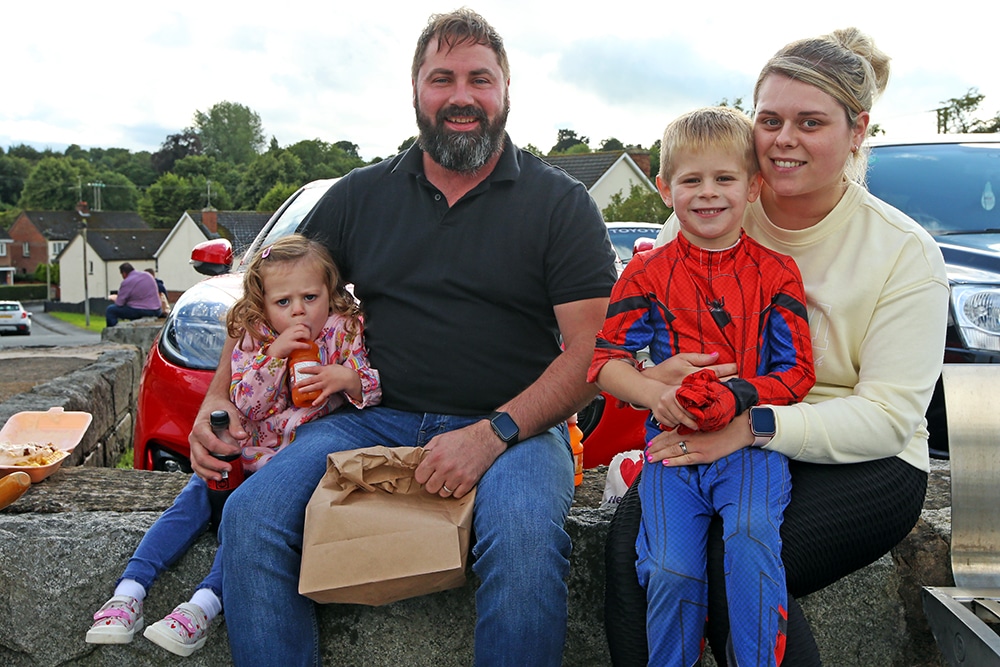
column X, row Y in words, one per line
column 671, row 563
column 751, row 489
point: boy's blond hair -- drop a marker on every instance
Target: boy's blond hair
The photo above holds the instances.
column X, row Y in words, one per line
column 710, row 127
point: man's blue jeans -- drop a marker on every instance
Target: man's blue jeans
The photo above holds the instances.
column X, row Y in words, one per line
column 521, row 550
column 172, row 535
column 116, row 312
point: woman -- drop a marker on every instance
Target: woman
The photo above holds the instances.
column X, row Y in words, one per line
column 877, row 294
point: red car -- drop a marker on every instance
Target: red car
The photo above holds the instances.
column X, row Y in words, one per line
column 183, row 359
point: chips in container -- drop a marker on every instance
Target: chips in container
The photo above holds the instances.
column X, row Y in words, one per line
column 63, row 430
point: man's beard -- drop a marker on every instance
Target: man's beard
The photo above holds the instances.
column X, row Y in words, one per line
column 464, row 152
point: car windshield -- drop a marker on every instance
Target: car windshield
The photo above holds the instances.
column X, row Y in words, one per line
column 290, row 218
column 947, row 188
column 623, row 239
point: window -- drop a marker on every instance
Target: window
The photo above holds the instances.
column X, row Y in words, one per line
column 57, row 247
column 90, row 268
column 3, row 249
column 25, row 249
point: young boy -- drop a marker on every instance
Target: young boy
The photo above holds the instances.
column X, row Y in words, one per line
column 711, row 290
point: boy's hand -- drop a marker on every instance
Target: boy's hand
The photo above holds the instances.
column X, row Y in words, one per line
column 295, row 337
column 669, row 413
column 676, row 368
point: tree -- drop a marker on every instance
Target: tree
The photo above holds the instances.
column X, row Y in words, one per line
column 349, row 148
column 322, row 160
column 737, row 104
column 174, row 148
column 641, row 205
column 165, row 201
column 406, row 144
column 654, row 158
column 230, row 132
column 264, row 173
column 117, row 192
column 52, row 184
column 13, row 174
column 611, row 144
column 956, row 117
column 533, row 149
column 567, row 139
column 275, row 197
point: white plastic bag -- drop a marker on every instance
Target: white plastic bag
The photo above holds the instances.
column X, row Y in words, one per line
column 621, row 473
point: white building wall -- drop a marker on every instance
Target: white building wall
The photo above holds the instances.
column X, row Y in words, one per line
column 174, row 257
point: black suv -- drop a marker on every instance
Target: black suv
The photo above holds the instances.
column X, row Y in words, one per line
column 949, row 184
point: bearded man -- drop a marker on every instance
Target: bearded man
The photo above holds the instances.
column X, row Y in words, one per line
column 484, row 275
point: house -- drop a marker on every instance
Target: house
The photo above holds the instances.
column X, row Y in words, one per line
column 88, row 265
column 37, row 237
column 173, row 258
column 6, row 270
column 605, row 174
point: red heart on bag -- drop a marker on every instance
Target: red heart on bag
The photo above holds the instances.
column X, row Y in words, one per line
column 629, row 469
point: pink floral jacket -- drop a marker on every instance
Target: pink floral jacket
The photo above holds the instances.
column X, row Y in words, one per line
column 259, row 389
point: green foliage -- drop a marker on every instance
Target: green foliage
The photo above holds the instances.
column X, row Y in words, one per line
column 612, row 144
column 654, row 158
column 322, row 160
column 53, row 276
column 165, row 201
column 264, row 173
column 406, row 144
column 24, row 292
column 231, row 132
column 533, row 149
column 577, row 149
column 275, row 197
column 52, row 185
column 118, row 193
column 566, row 140
column 641, row 205
column 13, row 174
column 736, row 104
column 175, row 147
column 956, row 117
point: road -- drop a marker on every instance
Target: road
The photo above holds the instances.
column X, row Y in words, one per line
column 48, row 331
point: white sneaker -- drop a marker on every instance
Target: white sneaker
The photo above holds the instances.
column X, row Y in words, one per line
column 182, row 632
column 116, row 621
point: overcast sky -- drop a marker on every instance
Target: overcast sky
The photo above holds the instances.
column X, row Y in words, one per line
column 108, row 74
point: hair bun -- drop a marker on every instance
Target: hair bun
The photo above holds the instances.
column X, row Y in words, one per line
column 862, row 45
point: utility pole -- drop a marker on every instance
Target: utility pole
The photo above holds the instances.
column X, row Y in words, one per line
column 98, row 187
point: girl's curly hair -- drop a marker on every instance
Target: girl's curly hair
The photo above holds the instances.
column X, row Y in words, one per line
column 247, row 314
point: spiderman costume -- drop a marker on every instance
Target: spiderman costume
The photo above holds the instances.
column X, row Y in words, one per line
column 747, row 303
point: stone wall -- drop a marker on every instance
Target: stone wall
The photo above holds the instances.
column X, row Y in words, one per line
column 63, row 545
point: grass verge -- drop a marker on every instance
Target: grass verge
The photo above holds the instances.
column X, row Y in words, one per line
column 97, row 322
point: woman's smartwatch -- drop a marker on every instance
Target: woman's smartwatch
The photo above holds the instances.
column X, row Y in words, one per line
column 762, row 425
column 505, row 427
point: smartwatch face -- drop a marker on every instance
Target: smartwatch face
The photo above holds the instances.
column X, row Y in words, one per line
column 762, row 421
column 505, row 426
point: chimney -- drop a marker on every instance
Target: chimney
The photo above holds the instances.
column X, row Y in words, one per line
column 82, row 208
column 641, row 159
column 210, row 218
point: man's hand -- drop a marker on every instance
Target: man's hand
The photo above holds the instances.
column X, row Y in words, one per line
column 201, row 439
column 455, row 461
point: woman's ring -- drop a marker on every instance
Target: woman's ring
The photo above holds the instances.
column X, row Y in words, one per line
column 446, row 489
column 683, row 446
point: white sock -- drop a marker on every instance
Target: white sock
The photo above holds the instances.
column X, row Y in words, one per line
column 131, row 588
column 208, row 601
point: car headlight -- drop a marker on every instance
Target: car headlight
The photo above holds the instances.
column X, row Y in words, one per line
column 976, row 310
column 195, row 330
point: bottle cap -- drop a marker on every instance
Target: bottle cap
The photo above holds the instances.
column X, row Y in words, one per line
column 219, row 419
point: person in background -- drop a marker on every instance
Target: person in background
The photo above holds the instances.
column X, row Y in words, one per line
column 162, row 289
column 138, row 296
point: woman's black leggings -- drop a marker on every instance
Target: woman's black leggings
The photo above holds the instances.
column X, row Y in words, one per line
column 840, row 519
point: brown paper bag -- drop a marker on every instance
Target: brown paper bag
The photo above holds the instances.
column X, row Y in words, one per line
column 373, row 535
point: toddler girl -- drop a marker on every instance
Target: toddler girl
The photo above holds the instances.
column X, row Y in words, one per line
column 292, row 294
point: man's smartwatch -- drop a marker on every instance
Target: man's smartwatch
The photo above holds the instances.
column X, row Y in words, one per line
column 505, row 427
column 762, row 425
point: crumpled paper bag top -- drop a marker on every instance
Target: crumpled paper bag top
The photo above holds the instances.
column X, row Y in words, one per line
column 379, row 468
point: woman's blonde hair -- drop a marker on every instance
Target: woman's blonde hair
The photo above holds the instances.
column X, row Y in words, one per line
column 247, row 314
column 846, row 65
column 724, row 128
